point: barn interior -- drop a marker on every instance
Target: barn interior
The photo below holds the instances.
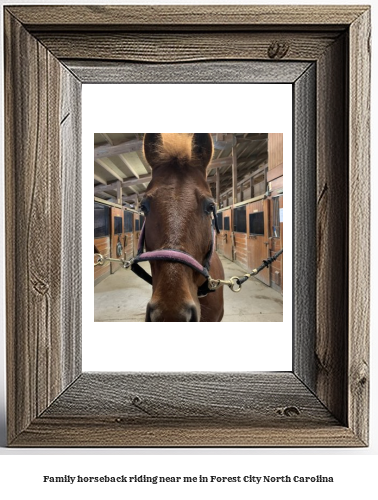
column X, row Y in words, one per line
column 246, row 180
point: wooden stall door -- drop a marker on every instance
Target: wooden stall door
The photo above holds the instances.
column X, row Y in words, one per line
column 128, row 239
column 101, row 239
column 276, row 242
column 226, row 234
column 116, row 235
column 219, row 237
column 102, row 246
column 258, row 237
column 137, row 229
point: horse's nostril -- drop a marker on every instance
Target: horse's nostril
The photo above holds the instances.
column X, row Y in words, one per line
column 149, row 311
column 155, row 313
column 193, row 314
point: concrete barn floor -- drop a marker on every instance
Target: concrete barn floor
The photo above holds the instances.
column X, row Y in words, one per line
column 123, row 297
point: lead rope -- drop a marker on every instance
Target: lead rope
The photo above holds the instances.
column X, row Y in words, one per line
column 235, row 283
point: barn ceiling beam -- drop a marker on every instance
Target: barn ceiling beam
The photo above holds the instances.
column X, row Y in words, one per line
column 133, row 189
column 221, row 141
column 144, row 161
column 264, row 137
column 111, row 199
column 133, row 198
column 247, row 141
column 105, row 151
column 227, row 162
column 105, row 189
column 98, row 178
column 110, row 167
column 108, row 139
column 220, row 162
column 244, row 166
column 262, row 157
column 143, row 179
column 127, row 164
column 226, row 188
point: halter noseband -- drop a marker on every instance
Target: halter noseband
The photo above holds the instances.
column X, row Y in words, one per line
column 172, row 255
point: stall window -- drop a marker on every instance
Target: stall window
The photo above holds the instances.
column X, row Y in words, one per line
column 136, row 224
column 227, row 223
column 240, row 221
column 276, row 217
column 256, row 223
column 101, row 220
column 128, row 221
column 220, row 221
column 117, row 225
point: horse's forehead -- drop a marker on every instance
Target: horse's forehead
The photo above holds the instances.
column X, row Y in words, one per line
column 176, row 187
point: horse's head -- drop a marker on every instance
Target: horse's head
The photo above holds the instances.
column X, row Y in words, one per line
column 178, row 204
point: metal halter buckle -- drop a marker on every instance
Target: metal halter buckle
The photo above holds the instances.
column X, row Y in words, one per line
column 101, row 261
column 232, row 283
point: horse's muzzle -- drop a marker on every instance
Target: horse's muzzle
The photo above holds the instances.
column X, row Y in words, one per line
column 187, row 312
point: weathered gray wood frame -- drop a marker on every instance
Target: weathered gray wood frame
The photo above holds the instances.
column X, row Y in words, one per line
column 49, row 53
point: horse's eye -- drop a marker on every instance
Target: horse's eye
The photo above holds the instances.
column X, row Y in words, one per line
column 209, row 206
column 145, row 206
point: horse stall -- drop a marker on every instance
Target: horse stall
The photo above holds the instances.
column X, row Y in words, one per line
column 258, row 237
column 116, row 237
column 252, row 228
column 275, row 198
column 113, row 237
column 245, row 179
column 225, row 237
column 101, row 239
column 247, row 243
column 128, row 241
column 138, row 224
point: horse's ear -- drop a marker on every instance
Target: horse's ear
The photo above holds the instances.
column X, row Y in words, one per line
column 202, row 146
column 151, row 144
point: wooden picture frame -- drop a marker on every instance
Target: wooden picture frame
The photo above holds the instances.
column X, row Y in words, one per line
column 49, row 52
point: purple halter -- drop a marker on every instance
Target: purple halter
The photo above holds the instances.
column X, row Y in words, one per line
column 172, row 255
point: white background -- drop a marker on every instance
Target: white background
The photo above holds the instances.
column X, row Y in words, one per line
column 205, row 347
column 354, row 469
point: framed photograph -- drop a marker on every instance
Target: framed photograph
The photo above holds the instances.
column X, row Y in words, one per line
column 120, row 295
column 324, row 53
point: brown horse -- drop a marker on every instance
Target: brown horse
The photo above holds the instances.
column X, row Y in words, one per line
column 178, row 205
